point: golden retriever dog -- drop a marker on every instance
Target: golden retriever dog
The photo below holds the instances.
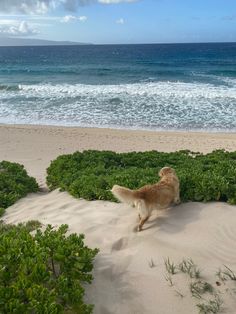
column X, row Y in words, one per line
column 149, row 197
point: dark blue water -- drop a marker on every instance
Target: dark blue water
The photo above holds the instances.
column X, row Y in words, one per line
column 174, row 86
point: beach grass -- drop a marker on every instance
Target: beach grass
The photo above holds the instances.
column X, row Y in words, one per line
column 189, row 267
column 171, row 268
column 211, row 306
column 226, row 274
column 210, row 299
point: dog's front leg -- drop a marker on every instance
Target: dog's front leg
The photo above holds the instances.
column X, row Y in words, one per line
column 142, row 222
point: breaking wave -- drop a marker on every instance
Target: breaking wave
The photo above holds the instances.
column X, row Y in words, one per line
column 147, row 105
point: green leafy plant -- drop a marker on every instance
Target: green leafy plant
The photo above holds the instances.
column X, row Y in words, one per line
column 14, row 183
column 43, row 272
column 2, row 211
column 91, row 174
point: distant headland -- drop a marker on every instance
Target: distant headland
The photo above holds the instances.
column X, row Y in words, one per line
column 9, row 41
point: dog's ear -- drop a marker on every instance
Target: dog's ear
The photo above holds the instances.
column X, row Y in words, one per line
column 166, row 170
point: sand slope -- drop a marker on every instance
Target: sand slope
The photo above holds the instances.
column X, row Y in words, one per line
column 124, row 282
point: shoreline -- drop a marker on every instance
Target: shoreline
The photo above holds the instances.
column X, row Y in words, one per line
column 35, row 146
column 107, row 128
column 86, row 127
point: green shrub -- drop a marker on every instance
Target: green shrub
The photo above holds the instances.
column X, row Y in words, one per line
column 91, row 174
column 44, row 272
column 14, row 183
column 2, row 211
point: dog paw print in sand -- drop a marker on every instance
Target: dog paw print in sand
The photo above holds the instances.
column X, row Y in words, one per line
column 120, row 244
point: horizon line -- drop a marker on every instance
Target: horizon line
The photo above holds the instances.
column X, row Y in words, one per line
column 71, row 43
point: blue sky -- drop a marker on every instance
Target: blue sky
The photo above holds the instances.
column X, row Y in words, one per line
column 120, row 21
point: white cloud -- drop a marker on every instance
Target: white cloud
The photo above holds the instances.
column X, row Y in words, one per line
column 120, row 21
column 70, row 18
column 14, row 28
column 82, row 18
column 27, row 6
column 8, row 22
column 43, row 6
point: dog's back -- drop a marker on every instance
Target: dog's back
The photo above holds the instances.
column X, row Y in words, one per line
column 156, row 195
column 152, row 195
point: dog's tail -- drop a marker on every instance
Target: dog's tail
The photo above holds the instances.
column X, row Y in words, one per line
column 124, row 195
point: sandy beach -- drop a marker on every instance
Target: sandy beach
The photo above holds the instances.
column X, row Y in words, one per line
column 129, row 271
column 35, row 146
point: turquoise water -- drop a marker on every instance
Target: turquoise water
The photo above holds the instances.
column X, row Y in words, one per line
column 162, row 87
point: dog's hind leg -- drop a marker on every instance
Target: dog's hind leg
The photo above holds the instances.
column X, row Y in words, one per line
column 143, row 213
column 177, row 196
column 177, row 199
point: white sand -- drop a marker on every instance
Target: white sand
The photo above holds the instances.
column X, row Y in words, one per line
column 36, row 146
column 124, row 282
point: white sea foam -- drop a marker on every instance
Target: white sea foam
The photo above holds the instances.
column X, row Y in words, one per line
column 166, row 89
column 170, row 105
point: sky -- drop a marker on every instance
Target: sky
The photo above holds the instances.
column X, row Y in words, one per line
column 120, row 21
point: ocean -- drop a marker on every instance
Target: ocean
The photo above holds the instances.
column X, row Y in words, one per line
column 155, row 87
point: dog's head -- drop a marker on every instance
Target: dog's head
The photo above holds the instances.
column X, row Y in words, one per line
column 166, row 171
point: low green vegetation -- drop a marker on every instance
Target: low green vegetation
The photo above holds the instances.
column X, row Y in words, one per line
column 2, row 211
column 40, row 271
column 91, row 174
column 210, row 298
column 14, row 184
column 43, row 272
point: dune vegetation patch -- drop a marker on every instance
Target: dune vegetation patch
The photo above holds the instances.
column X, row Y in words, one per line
column 91, row 174
column 14, row 184
column 43, row 271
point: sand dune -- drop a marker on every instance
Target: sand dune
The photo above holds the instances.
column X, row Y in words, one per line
column 124, row 282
